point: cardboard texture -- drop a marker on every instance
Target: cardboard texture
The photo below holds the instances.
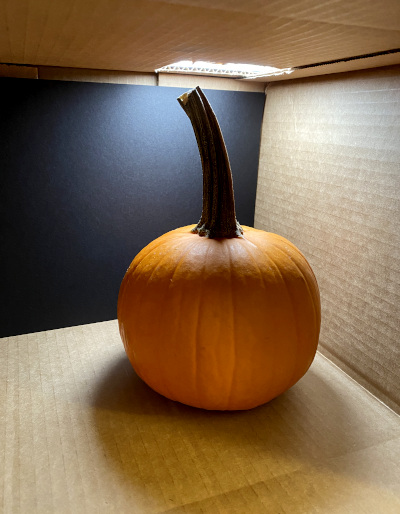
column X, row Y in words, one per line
column 329, row 181
column 338, row 67
column 146, row 35
column 110, row 76
column 191, row 81
column 22, row 72
column 82, row 434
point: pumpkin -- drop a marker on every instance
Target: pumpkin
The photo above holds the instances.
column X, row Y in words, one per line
column 216, row 315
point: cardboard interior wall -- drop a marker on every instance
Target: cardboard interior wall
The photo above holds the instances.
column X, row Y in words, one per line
column 329, row 181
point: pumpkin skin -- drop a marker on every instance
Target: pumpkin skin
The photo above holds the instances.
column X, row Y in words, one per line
column 224, row 323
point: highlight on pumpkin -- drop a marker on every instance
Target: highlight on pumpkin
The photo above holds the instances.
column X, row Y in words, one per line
column 215, row 315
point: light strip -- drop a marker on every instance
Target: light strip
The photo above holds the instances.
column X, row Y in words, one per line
column 245, row 71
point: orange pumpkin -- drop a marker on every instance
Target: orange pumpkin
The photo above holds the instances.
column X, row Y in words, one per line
column 216, row 315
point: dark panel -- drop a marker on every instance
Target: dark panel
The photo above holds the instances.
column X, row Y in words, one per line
column 91, row 173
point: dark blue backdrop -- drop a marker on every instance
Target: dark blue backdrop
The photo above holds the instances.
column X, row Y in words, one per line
column 91, row 173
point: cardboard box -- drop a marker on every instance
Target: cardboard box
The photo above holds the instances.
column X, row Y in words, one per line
column 81, row 433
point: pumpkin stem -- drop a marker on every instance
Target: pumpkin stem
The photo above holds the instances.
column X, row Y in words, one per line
column 218, row 219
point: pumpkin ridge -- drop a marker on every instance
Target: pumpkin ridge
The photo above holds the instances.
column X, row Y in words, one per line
column 316, row 317
column 294, row 317
column 294, row 247
column 291, row 302
column 138, row 261
column 233, row 312
column 309, row 294
column 130, row 276
column 159, row 263
column 166, row 256
column 163, row 241
column 243, row 243
column 196, row 334
column 181, row 259
column 181, row 296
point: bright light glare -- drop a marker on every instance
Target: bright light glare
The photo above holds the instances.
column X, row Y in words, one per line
column 229, row 69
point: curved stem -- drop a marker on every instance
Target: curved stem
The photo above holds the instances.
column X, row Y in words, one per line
column 218, row 219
